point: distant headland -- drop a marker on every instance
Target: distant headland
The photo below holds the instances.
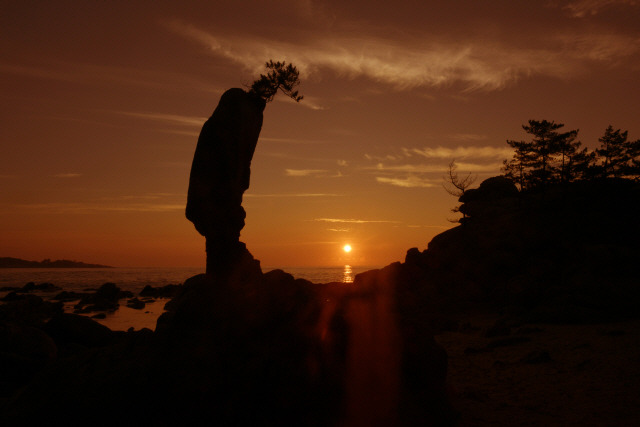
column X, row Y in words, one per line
column 7, row 262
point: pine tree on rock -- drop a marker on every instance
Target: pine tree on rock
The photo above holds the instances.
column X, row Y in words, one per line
column 281, row 76
column 615, row 153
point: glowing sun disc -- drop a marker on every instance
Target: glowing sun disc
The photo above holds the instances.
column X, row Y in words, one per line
column 347, row 248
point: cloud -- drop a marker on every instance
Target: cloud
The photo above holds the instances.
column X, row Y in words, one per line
column 488, row 64
column 67, row 175
column 435, row 168
column 150, row 202
column 170, row 118
column 292, row 195
column 583, row 8
column 290, row 140
column 381, row 158
column 342, row 163
column 607, row 48
column 467, row 137
column 410, row 181
column 92, row 208
column 305, row 172
column 308, row 102
column 463, row 152
column 354, row 221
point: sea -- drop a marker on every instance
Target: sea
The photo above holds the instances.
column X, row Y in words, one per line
column 134, row 279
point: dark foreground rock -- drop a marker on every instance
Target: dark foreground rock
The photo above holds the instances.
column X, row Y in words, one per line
column 167, row 291
column 29, row 310
column 567, row 254
column 104, row 299
column 67, row 328
column 41, row 287
column 240, row 347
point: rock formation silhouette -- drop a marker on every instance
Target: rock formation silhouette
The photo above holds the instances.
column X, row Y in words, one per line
column 220, row 174
column 236, row 346
column 221, row 165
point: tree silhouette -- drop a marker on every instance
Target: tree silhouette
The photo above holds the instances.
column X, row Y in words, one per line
column 517, row 169
column 633, row 168
column 457, row 186
column 614, row 152
column 280, row 76
column 550, row 156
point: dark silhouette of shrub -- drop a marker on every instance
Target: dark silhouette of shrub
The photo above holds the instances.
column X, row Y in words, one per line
column 280, row 76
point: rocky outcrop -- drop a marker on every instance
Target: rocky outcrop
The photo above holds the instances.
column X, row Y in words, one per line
column 567, row 254
column 104, row 299
column 66, row 328
column 220, row 174
column 167, row 291
column 237, row 346
column 244, row 347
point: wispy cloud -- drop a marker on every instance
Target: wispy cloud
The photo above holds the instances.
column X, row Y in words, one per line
column 429, row 226
column 254, row 195
column 402, row 169
column 462, row 152
column 405, row 64
column 468, row 137
column 150, row 202
column 67, row 175
column 354, row 221
column 435, row 168
column 607, row 48
column 308, row 102
column 381, row 158
column 92, row 208
column 170, row 118
column 583, row 8
column 305, row 172
column 407, row 182
column 290, row 140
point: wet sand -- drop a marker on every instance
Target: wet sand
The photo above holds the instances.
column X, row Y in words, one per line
column 551, row 375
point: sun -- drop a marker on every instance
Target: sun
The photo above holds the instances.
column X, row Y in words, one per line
column 347, row 248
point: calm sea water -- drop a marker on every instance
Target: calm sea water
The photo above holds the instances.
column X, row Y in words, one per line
column 134, row 279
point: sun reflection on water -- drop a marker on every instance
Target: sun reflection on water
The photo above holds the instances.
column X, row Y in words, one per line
column 347, row 275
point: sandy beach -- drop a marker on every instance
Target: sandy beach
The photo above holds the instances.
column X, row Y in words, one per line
column 544, row 374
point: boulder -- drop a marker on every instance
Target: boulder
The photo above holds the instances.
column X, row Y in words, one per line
column 28, row 310
column 42, row 287
column 493, row 195
column 68, row 296
column 72, row 328
column 167, row 291
column 136, row 304
column 13, row 296
column 104, row 299
column 26, row 341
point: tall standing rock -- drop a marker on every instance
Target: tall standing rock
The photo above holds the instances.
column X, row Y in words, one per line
column 220, row 174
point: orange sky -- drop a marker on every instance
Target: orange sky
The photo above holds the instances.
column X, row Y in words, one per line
column 102, row 103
